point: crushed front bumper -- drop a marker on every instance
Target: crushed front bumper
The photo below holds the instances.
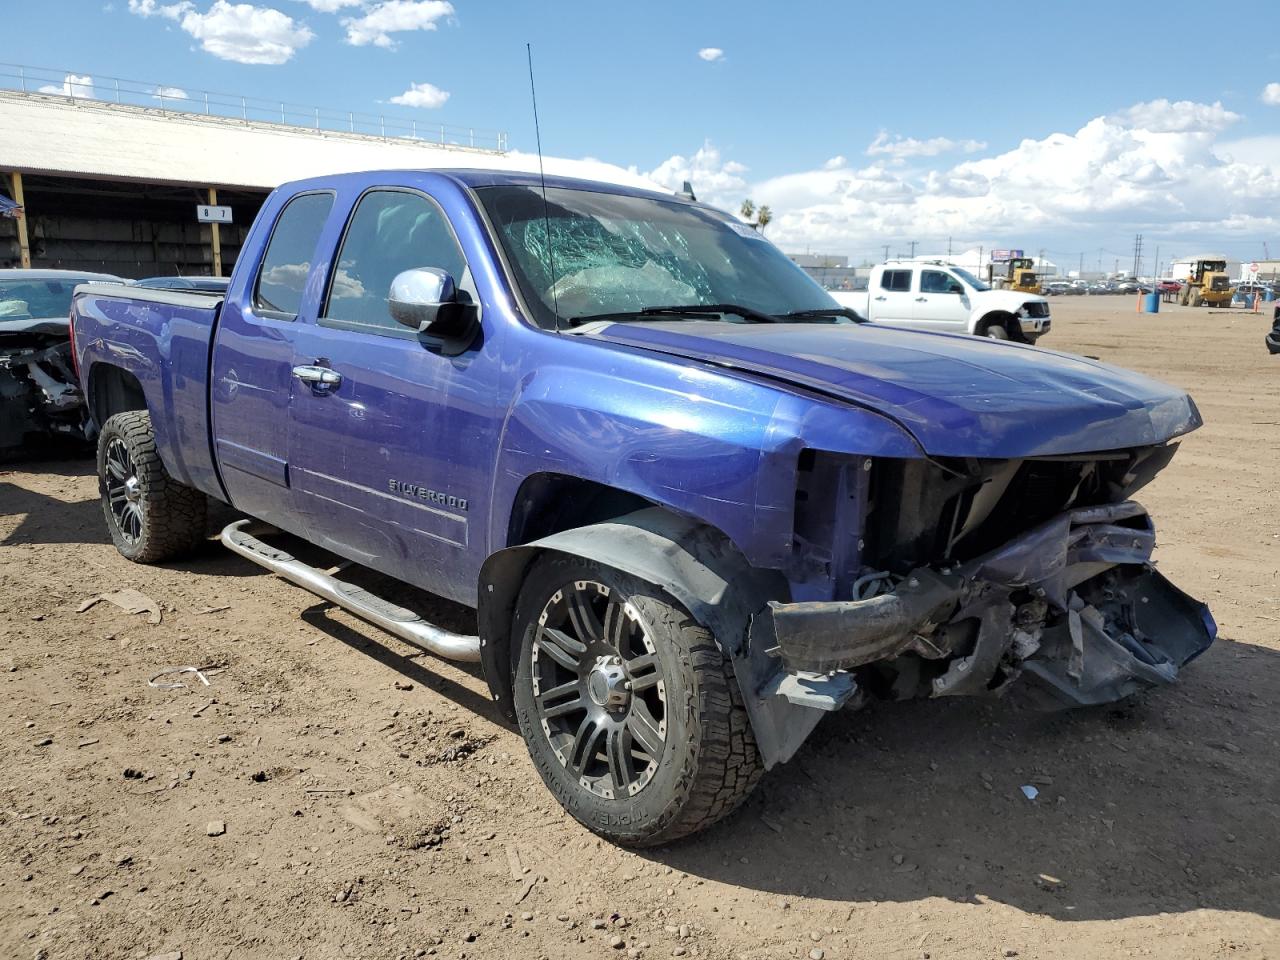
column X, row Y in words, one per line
column 1074, row 607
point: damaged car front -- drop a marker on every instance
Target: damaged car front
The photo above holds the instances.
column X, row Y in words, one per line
column 980, row 577
column 1007, row 556
column 39, row 392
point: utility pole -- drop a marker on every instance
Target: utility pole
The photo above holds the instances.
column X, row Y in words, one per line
column 948, row 248
column 1137, row 255
column 1080, row 274
column 886, row 251
column 913, row 249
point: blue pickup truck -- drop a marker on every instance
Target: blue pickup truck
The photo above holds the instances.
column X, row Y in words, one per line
column 694, row 502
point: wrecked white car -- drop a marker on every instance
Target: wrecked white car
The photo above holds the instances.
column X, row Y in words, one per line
column 39, row 393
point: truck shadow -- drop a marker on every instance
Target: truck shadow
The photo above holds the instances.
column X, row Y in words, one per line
column 414, row 667
column 1166, row 804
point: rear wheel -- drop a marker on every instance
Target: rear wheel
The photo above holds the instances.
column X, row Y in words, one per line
column 629, row 709
column 151, row 516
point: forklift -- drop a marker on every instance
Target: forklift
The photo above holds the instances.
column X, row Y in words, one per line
column 1207, row 283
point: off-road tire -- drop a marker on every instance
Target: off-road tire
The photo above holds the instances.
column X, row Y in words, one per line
column 173, row 516
column 710, row 762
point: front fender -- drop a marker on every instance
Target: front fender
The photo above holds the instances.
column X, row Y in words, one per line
column 694, row 563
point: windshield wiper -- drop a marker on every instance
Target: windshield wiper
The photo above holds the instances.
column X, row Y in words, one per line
column 823, row 312
column 692, row 311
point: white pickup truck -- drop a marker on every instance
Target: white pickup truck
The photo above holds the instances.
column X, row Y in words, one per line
column 942, row 297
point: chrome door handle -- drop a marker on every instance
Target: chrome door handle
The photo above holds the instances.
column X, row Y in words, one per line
column 317, row 376
column 922, row 299
column 880, row 298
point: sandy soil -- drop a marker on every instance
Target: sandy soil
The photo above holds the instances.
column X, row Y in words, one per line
column 374, row 806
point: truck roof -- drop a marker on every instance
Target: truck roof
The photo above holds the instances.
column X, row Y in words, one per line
column 471, row 177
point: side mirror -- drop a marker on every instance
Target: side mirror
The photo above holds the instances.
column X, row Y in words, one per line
column 956, row 288
column 427, row 300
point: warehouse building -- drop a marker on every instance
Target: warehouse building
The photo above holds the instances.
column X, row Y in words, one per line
column 113, row 183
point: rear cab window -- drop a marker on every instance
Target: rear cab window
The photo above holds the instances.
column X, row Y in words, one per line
column 282, row 277
column 897, row 281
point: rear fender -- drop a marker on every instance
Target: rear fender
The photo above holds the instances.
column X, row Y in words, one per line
column 693, row 562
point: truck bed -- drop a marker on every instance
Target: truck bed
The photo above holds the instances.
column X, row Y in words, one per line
column 163, row 339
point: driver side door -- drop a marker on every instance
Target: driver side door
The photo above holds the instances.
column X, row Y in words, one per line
column 941, row 303
column 392, row 447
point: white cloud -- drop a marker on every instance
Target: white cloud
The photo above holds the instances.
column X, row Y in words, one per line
column 331, row 6
column 72, row 86
column 902, row 148
column 426, row 95
column 714, row 180
column 150, row 8
column 1159, row 168
column 169, row 93
column 394, row 16
column 711, row 54
column 242, row 32
column 1271, row 94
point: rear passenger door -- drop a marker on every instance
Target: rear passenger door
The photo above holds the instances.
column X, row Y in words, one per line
column 392, row 459
column 891, row 301
column 253, row 356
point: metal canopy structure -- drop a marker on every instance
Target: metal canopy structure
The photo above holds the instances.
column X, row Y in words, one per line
column 113, row 187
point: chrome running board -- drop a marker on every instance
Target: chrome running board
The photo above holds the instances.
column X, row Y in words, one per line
column 405, row 624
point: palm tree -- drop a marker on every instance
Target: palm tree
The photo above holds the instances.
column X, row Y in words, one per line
column 763, row 216
column 757, row 217
column 748, row 210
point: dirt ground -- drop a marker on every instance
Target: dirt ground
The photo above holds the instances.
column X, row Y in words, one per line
column 367, row 802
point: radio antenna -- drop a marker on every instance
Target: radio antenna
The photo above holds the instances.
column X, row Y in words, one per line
column 542, row 177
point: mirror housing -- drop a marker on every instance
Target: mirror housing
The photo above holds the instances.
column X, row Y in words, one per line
column 427, row 300
column 956, row 288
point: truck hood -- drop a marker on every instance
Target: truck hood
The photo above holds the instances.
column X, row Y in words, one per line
column 958, row 396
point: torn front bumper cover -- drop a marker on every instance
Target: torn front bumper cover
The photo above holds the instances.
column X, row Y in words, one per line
column 1073, row 607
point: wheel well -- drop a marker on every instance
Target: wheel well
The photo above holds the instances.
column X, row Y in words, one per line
column 113, row 390
column 550, row 503
column 995, row 316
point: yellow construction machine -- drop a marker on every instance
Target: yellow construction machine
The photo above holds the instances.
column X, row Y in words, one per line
column 1016, row 273
column 1207, row 283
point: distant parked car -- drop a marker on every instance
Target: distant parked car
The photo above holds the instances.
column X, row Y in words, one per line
column 208, row 284
column 1169, row 286
column 39, row 393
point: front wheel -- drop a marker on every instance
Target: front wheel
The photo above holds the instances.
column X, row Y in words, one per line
column 628, row 707
column 996, row 331
column 151, row 516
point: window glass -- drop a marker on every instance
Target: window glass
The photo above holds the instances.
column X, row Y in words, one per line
column 586, row 253
column 936, row 281
column 288, row 257
column 896, row 280
column 36, row 299
column 390, row 232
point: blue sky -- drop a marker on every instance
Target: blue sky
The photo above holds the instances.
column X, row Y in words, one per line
column 1064, row 126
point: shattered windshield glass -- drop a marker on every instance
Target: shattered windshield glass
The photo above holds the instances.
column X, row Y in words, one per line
column 615, row 254
column 36, row 298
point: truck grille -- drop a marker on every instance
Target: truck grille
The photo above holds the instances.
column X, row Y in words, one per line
column 1036, row 308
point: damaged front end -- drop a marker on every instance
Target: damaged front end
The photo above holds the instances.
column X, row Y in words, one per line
column 980, row 578
column 39, row 393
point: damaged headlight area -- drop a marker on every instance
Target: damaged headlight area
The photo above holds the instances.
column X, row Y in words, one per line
column 39, row 395
column 973, row 579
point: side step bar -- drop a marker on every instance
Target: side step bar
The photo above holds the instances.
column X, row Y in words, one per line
column 405, row 624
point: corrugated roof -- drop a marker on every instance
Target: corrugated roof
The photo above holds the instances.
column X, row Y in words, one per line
column 81, row 137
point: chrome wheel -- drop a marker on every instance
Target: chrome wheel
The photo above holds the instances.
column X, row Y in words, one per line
column 599, row 689
column 124, row 493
